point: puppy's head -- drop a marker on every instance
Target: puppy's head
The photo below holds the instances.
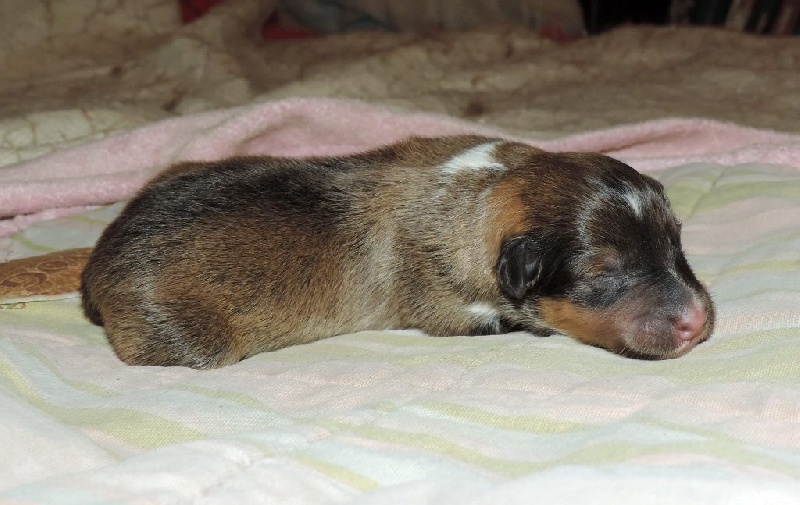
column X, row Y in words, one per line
column 589, row 247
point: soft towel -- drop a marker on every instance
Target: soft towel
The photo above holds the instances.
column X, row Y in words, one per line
column 114, row 168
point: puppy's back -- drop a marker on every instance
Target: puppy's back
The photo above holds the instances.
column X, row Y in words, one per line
column 214, row 262
column 227, row 249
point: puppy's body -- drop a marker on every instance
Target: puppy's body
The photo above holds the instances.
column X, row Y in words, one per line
column 215, row 262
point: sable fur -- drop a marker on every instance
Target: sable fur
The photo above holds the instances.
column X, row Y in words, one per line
column 214, row 262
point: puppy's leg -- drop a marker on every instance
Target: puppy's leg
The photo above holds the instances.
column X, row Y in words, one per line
column 182, row 332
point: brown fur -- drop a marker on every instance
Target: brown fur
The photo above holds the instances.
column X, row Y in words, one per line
column 214, row 262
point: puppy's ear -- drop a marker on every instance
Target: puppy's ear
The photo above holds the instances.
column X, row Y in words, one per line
column 654, row 183
column 518, row 267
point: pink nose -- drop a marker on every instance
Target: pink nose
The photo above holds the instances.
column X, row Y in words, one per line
column 691, row 323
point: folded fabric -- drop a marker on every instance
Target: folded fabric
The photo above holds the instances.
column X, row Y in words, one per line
column 114, row 168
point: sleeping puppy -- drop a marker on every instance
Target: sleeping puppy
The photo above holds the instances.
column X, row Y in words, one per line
column 214, row 262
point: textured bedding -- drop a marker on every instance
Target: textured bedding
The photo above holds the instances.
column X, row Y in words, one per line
column 96, row 101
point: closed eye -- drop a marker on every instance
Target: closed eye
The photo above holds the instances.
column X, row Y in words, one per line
column 600, row 290
column 606, row 262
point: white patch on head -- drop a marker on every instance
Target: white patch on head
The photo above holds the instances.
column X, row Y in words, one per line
column 480, row 157
column 634, row 200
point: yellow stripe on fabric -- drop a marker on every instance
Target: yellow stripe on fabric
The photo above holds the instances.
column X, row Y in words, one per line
column 87, row 218
column 28, row 244
column 620, row 452
column 85, row 387
column 432, row 443
column 59, row 317
column 337, row 473
column 523, row 423
column 770, row 242
column 685, row 194
column 701, row 189
column 228, row 396
column 776, row 266
column 133, row 427
column 563, row 355
column 779, row 366
column 600, row 453
column 726, row 194
column 755, row 340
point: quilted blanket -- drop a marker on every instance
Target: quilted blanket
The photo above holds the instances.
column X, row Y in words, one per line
column 96, row 101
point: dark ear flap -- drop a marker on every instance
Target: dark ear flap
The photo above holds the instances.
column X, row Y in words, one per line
column 654, row 183
column 518, row 267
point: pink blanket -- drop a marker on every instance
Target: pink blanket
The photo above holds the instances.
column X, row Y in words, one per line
column 113, row 169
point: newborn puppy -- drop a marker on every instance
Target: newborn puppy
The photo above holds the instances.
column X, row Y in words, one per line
column 214, row 262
